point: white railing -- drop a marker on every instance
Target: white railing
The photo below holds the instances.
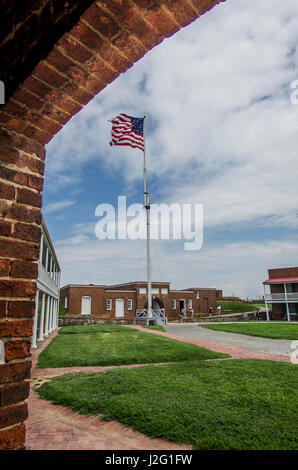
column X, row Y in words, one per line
column 281, row 297
column 45, row 281
column 157, row 315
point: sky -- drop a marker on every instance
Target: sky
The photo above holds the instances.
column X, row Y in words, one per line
column 221, row 131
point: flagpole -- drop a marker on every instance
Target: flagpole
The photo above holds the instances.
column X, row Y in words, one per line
column 147, row 207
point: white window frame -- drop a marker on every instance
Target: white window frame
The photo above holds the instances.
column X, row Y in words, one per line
column 155, row 290
column 198, row 294
column 164, row 290
column 66, row 302
column 174, row 304
column 109, row 304
column 189, row 303
column 129, row 304
column 143, row 290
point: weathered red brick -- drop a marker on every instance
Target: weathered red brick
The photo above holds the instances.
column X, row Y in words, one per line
column 29, row 197
column 28, row 99
column 45, row 124
column 15, row 328
column 23, row 269
column 101, row 21
column 37, row 134
column 202, row 6
column 20, row 308
column 15, row 372
column 13, row 415
column 18, row 250
column 7, row 191
column 50, row 76
column 104, row 73
column 4, row 267
column 11, row 122
column 23, row 213
column 78, row 94
column 31, row 147
column 162, row 21
column 5, row 228
column 17, row 350
column 59, row 115
column 27, row 232
column 14, row 393
column 181, row 10
column 23, row 161
column 3, row 304
column 35, row 182
column 12, row 438
column 74, row 49
column 130, row 47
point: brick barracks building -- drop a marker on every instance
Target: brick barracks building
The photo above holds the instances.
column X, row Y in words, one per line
column 123, row 300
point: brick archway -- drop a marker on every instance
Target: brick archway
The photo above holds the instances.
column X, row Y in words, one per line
column 57, row 55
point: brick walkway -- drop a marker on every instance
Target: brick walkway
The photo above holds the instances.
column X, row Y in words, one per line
column 52, row 427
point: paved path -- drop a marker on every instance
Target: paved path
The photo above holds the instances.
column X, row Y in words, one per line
column 276, row 347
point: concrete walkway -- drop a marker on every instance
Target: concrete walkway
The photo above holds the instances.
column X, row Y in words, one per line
column 276, row 347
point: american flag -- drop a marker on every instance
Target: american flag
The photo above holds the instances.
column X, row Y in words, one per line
column 127, row 130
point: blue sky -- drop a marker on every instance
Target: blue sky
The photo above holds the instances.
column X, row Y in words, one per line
column 221, row 131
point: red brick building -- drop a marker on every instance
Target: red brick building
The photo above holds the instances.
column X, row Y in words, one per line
column 283, row 295
column 123, row 300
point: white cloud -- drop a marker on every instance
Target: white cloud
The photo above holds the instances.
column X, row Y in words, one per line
column 57, row 206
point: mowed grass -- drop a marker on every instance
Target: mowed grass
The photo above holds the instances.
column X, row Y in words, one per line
column 105, row 345
column 265, row 330
column 235, row 307
column 235, row 404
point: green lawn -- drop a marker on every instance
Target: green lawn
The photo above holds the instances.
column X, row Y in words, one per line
column 154, row 327
column 265, row 330
column 236, row 307
column 104, row 345
column 235, row 404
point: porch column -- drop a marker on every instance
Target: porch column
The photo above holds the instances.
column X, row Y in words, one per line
column 287, row 305
column 33, row 341
column 41, row 321
column 266, row 305
column 46, row 332
column 51, row 315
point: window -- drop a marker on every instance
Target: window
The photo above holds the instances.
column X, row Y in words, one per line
column 174, row 304
column 129, row 304
column 198, row 294
column 154, row 290
column 164, row 290
column 142, row 290
column 66, row 302
column 109, row 304
column 189, row 303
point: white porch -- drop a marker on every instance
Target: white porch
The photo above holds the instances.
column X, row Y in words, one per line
column 287, row 297
column 47, row 295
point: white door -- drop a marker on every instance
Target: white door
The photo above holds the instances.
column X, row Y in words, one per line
column 86, row 305
column 119, row 308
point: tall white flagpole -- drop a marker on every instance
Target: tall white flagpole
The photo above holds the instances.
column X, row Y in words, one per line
column 147, row 207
